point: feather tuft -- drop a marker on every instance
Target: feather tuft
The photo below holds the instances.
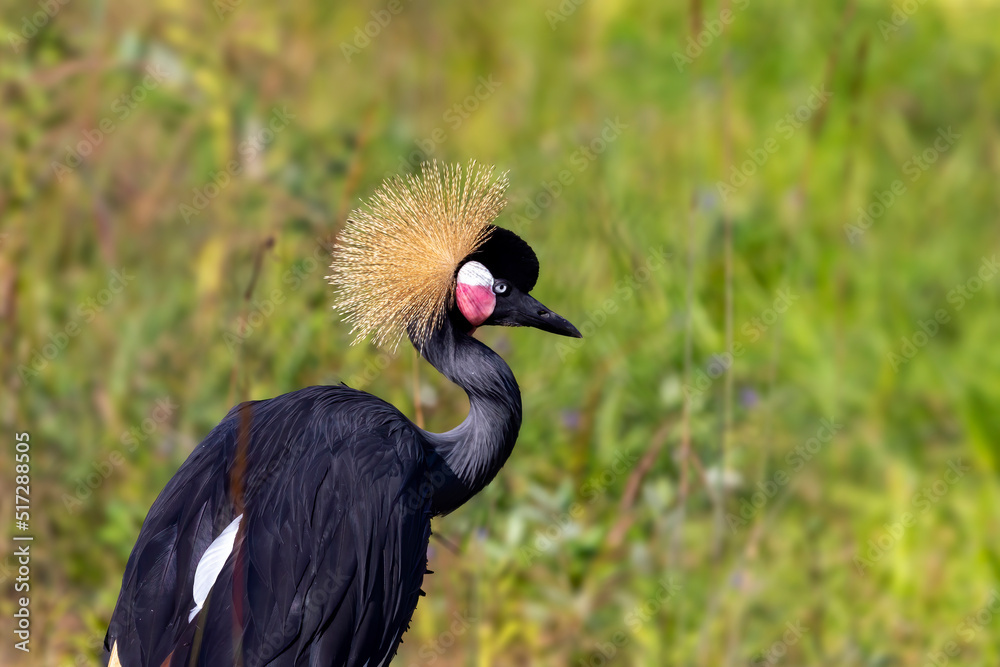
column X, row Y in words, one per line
column 394, row 263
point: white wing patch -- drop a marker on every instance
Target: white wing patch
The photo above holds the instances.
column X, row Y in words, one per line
column 113, row 661
column 211, row 564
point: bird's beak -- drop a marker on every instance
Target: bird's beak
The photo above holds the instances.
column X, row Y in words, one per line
column 531, row 313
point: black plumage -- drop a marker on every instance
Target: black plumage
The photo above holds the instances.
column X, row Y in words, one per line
column 336, row 489
column 508, row 255
column 333, row 512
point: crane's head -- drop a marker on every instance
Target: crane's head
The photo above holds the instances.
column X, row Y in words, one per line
column 492, row 287
column 424, row 249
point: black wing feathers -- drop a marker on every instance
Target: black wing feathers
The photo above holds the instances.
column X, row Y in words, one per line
column 330, row 552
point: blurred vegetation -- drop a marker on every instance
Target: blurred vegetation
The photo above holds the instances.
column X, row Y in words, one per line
column 674, row 497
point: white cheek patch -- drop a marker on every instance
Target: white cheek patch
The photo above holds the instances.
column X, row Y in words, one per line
column 474, row 273
column 474, row 293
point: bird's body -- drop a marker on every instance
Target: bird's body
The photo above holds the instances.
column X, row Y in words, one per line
column 296, row 533
column 347, row 465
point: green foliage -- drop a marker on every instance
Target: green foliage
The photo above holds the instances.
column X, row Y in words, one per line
column 674, row 497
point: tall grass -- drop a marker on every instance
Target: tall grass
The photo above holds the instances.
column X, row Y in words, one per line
column 674, row 497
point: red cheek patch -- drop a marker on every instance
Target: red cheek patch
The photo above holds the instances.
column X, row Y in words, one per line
column 475, row 301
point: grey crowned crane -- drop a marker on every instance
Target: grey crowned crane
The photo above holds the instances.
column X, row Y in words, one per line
column 296, row 532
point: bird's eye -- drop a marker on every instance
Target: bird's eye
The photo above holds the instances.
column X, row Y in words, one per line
column 501, row 288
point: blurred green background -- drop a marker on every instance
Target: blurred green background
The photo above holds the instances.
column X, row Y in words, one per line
column 776, row 225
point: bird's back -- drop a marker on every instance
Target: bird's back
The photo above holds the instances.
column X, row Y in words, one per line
column 330, row 551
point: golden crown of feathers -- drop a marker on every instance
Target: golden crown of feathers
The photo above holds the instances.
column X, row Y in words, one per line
column 394, row 262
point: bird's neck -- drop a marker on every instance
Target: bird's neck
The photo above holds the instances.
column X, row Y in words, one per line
column 467, row 458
